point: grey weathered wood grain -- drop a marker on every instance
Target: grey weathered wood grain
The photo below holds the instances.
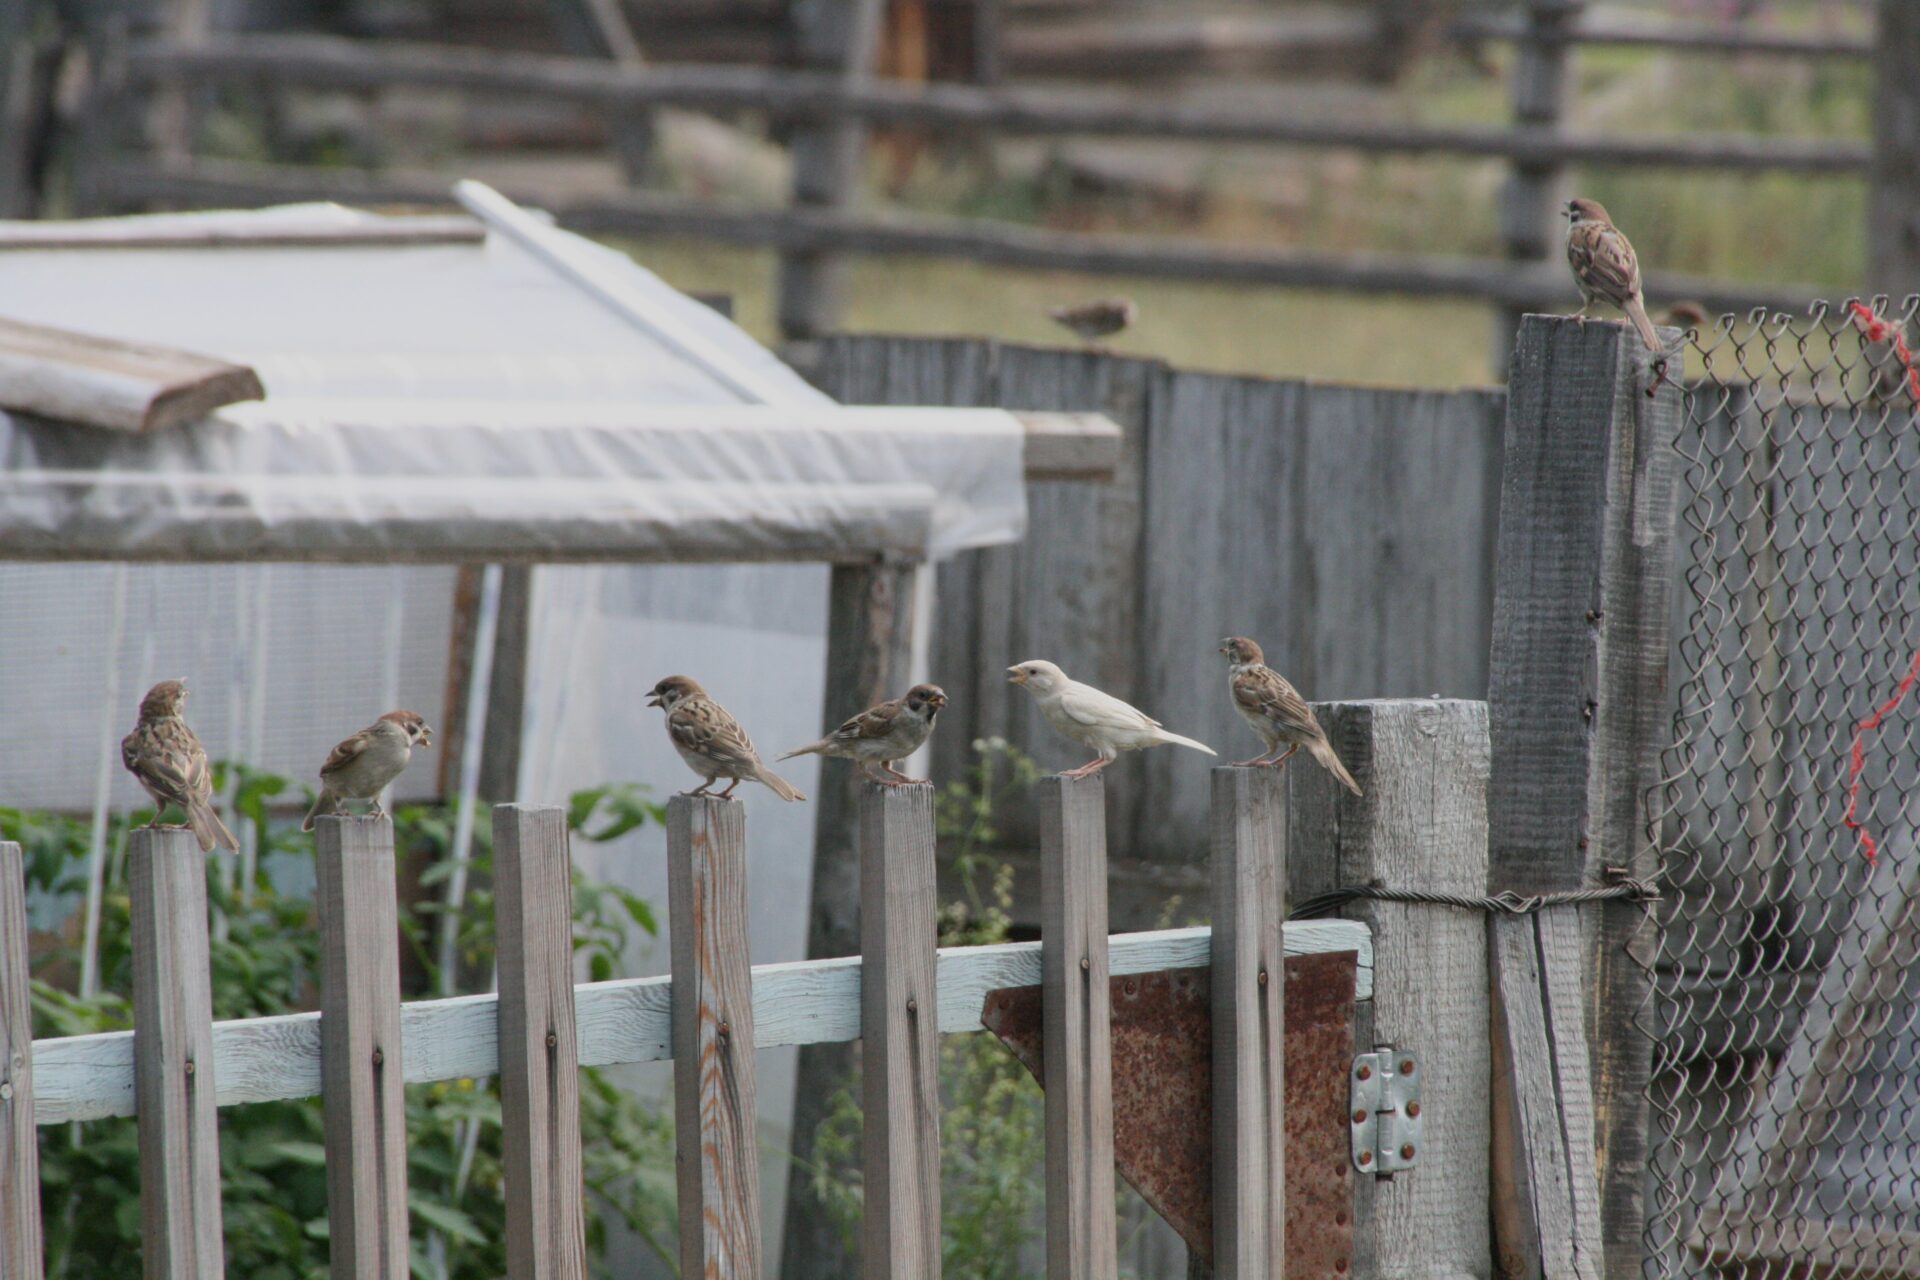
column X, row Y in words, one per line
column 1249, row 1021
column 105, row 382
column 1422, row 823
column 715, row 1084
column 539, row 1045
column 1578, row 704
column 621, row 1021
column 869, row 651
column 1077, row 1025
column 1536, row 187
column 361, row 1050
column 20, row 1242
column 1893, row 213
column 173, row 1059
column 900, row 1034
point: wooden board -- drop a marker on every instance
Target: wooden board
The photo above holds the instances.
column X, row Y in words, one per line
column 21, row 1251
column 104, row 382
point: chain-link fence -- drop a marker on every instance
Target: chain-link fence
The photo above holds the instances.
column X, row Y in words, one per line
column 1786, row 1088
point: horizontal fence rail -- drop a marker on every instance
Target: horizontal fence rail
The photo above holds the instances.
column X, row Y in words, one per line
column 626, row 1020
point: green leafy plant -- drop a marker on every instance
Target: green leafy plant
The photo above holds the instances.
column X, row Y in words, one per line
column 264, row 959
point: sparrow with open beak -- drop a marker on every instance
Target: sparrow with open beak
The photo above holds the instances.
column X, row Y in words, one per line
column 882, row 734
column 711, row 741
column 364, row 765
column 1092, row 718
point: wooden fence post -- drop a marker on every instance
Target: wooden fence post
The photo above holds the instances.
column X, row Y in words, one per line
column 715, row 1089
column 1249, row 1020
column 1893, row 221
column 1422, row 824
column 21, row 1250
column 361, row 1073
column 1535, row 189
column 1077, row 1029
column 173, row 1058
column 1579, row 713
column 900, row 1038
column 539, row 1048
column 836, row 37
column 869, row 629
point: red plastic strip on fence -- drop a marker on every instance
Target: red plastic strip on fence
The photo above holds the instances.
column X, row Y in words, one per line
column 1858, row 760
column 1877, row 328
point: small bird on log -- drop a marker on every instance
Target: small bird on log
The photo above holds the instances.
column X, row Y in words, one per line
column 1605, row 267
column 363, row 766
column 1092, row 321
column 881, row 734
column 711, row 741
column 166, row 757
column 1276, row 712
column 1092, row 718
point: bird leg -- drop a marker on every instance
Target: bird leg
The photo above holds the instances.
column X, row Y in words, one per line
column 902, row 780
column 701, row 789
column 1257, row 760
column 1281, row 763
column 878, row 779
column 1088, row 769
column 729, row 791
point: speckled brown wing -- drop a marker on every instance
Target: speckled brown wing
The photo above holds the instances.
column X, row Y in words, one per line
column 1264, row 693
column 1603, row 263
column 346, row 753
column 706, row 729
column 874, row 723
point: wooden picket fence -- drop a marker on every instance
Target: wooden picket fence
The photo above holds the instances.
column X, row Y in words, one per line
column 710, row 1016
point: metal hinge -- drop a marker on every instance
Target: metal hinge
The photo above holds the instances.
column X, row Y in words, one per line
column 1385, row 1111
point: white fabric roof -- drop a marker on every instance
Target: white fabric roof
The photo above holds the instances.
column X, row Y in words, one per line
column 534, row 395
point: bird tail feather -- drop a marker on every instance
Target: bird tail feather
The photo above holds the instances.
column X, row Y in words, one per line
column 1637, row 312
column 778, row 785
column 1179, row 741
column 811, row 749
column 1323, row 752
column 314, row 812
column 208, row 829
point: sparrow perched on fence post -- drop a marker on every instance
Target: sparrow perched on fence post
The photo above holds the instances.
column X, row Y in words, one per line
column 1605, row 267
column 1276, row 712
column 166, row 757
column 881, row 734
column 1092, row 718
column 711, row 741
column 1092, row 321
column 362, row 766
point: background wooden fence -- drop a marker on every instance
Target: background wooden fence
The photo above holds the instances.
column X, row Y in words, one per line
column 828, row 100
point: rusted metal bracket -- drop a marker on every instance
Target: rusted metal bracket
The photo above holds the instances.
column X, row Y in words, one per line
column 1385, row 1111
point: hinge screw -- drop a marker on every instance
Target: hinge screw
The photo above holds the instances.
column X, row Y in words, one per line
column 1359, row 1116
column 1406, row 1152
column 379, row 1056
column 1413, row 1110
column 1364, row 1073
column 1366, row 1157
column 913, row 1004
column 1406, row 1066
column 553, row 1040
column 189, row 1066
column 1263, row 977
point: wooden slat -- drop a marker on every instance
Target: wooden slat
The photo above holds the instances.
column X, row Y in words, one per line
column 174, row 1077
column 1249, row 1021
column 1422, row 824
column 21, row 1251
column 1642, row 31
column 361, row 1050
column 622, row 1021
column 1070, row 446
column 1893, row 213
column 539, row 1045
column 1578, row 710
column 1077, row 1026
column 104, row 382
column 1536, row 187
column 715, row 1089
column 900, row 1039
column 115, row 233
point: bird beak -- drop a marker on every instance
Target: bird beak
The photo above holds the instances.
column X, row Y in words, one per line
column 1016, row 676
column 938, row 700
column 654, row 701
column 426, row 735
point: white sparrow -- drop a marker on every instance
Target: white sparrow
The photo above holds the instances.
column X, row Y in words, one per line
column 167, row 758
column 1091, row 321
column 1604, row 266
column 361, row 767
column 711, row 741
column 1276, row 712
column 1092, row 718
column 891, row 731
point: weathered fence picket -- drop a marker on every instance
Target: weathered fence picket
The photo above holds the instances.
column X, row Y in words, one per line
column 20, row 1247
column 1077, row 1015
column 539, row 1046
column 180, row 1224
column 1249, row 1021
column 900, row 1037
column 715, row 1089
column 361, row 1066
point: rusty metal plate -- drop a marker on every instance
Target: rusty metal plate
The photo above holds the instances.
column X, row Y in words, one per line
column 1163, row 1098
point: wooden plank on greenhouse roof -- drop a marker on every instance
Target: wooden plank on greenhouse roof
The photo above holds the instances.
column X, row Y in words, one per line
column 105, row 382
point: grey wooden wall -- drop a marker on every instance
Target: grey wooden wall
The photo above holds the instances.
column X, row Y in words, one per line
column 1349, row 529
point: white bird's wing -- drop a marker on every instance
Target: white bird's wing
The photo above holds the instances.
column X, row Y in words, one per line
column 1089, row 706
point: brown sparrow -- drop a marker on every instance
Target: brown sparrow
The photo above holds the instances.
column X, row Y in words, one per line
column 1091, row 321
column 711, row 741
column 1604, row 266
column 166, row 757
column 1092, row 718
column 361, row 767
column 1687, row 315
column 882, row 734
column 1275, row 711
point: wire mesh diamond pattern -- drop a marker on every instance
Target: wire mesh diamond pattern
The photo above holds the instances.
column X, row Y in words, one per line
column 1786, row 967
